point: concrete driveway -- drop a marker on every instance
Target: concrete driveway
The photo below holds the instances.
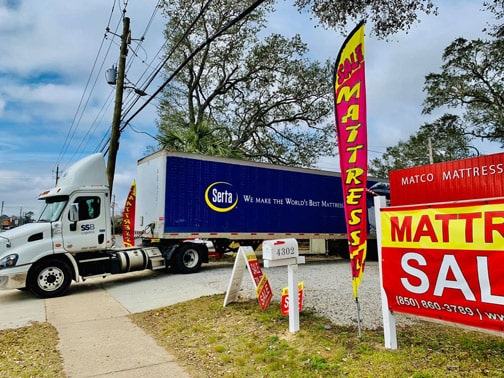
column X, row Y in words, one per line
column 136, row 292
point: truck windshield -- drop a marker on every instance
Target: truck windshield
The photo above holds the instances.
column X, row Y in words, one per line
column 52, row 208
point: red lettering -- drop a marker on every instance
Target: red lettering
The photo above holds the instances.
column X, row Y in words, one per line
column 426, row 229
column 350, row 64
column 445, row 221
column 401, row 232
column 490, row 226
column 469, row 217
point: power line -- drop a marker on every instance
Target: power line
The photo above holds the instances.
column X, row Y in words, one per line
column 217, row 34
column 76, row 120
column 162, row 63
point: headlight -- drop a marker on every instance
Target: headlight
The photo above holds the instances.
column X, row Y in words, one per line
column 9, row 261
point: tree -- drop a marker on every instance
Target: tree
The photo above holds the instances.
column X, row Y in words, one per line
column 259, row 99
column 240, row 96
column 28, row 217
column 497, row 8
column 472, row 81
column 387, row 17
column 447, row 139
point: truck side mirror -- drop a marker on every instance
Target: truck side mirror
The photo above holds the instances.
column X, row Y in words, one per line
column 73, row 216
column 74, row 212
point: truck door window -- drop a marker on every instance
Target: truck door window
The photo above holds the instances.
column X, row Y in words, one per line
column 89, row 207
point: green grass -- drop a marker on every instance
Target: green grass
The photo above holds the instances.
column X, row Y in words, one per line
column 242, row 341
column 30, row 352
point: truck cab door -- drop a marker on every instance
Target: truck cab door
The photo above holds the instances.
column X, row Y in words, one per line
column 85, row 224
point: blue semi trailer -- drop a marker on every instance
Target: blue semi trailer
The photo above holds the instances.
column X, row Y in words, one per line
column 230, row 202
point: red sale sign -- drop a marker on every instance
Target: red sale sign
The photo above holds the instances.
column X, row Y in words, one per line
column 446, row 261
column 285, row 299
column 263, row 288
column 264, row 293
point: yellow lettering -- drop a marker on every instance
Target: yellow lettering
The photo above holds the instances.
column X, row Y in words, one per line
column 353, row 175
column 357, row 251
column 353, row 196
column 355, row 217
column 352, row 113
column 353, row 155
column 347, row 93
column 353, row 132
column 354, row 238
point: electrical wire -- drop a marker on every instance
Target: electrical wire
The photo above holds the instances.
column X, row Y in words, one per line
column 160, row 66
column 131, row 103
column 217, row 34
column 83, row 104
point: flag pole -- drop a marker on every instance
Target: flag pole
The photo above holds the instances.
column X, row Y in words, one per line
column 358, row 317
column 351, row 132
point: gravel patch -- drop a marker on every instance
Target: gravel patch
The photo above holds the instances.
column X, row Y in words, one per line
column 327, row 289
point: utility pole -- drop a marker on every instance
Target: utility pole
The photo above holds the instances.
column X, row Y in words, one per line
column 431, row 160
column 116, row 121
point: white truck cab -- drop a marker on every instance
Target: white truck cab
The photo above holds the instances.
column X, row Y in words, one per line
column 71, row 239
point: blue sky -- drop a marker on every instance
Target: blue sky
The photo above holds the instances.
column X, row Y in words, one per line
column 55, row 109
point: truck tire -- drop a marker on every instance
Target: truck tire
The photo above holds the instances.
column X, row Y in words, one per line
column 187, row 258
column 50, row 278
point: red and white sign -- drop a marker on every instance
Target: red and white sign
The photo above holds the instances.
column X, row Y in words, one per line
column 285, row 299
column 465, row 179
column 128, row 218
column 446, row 261
column 246, row 259
column 264, row 292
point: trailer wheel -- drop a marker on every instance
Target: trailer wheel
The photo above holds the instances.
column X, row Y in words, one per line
column 50, row 278
column 187, row 258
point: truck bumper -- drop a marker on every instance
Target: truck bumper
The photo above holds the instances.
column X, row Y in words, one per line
column 13, row 278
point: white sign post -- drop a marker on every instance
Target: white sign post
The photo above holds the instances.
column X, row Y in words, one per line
column 247, row 260
column 283, row 252
column 389, row 324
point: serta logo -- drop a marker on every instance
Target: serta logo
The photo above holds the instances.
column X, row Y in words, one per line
column 219, row 197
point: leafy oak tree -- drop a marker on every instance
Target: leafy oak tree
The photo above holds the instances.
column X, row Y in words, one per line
column 253, row 97
column 472, row 82
column 443, row 140
column 242, row 96
column 385, row 17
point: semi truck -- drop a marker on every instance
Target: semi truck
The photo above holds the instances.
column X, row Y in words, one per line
column 183, row 201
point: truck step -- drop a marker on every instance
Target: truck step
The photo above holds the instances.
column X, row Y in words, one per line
column 156, row 260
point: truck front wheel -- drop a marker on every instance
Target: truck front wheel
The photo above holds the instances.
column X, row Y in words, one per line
column 187, row 258
column 50, row 278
